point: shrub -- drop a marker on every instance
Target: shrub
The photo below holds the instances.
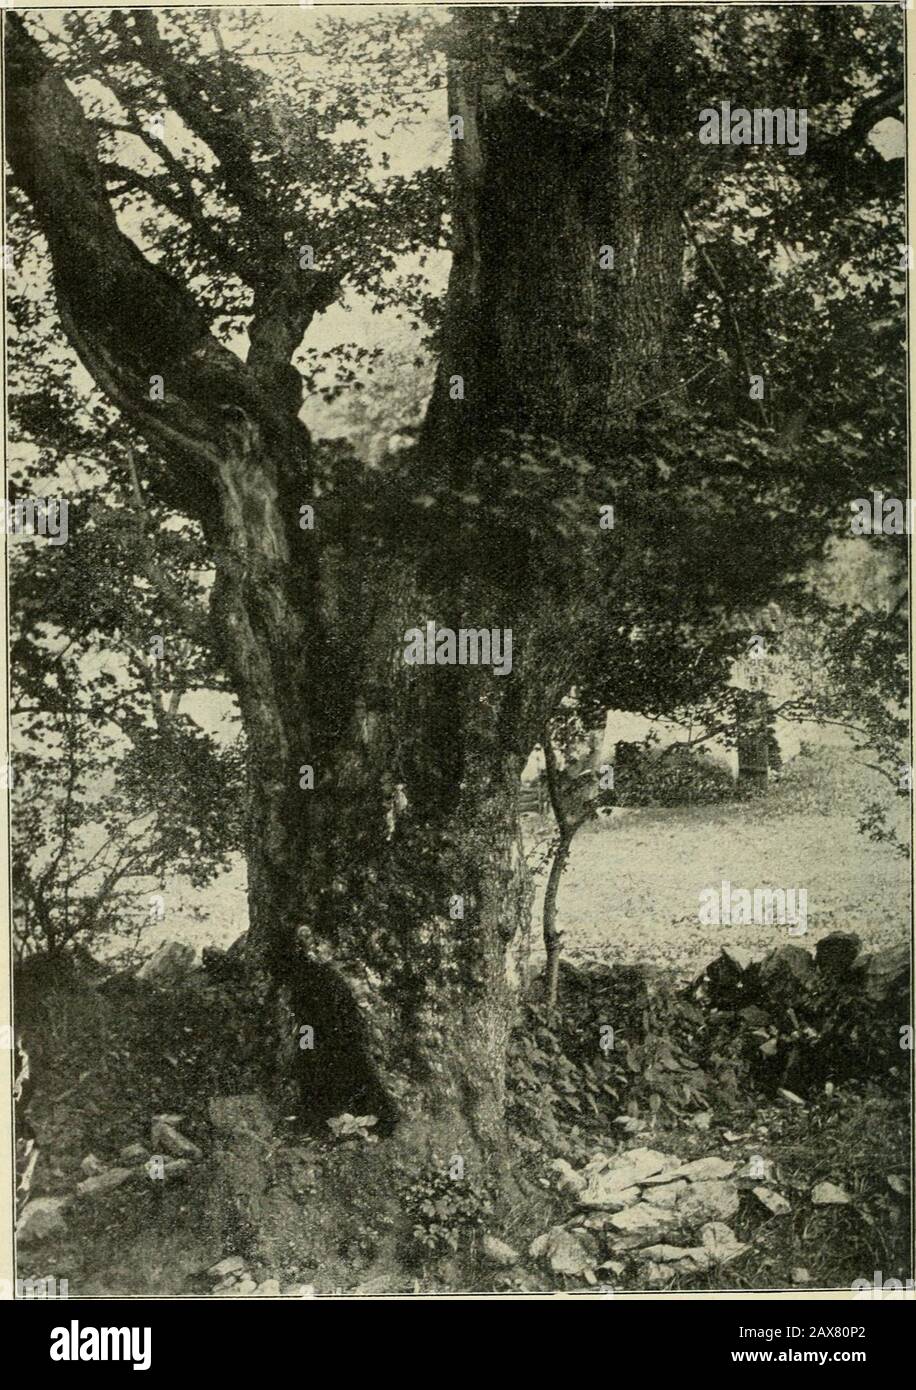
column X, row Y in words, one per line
column 674, row 776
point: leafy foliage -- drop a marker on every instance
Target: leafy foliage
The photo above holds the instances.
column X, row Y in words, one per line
column 447, row 1214
column 786, row 1021
column 563, row 1073
column 680, row 1052
column 677, row 775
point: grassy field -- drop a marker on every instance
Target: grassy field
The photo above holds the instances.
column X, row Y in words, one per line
column 631, row 891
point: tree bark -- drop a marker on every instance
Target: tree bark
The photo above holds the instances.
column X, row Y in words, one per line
column 553, row 939
column 753, row 738
column 568, row 823
column 547, row 174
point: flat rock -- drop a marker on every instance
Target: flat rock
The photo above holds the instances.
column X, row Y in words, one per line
column 721, row 1243
column 665, row 1253
column 644, row 1219
column 563, row 1251
column 134, row 1153
column 610, row 1181
column 270, row 1288
column 498, row 1253
column 702, row 1170
column 636, row 1165
column 619, row 1244
column 568, row 1180
column 667, row 1196
column 708, row 1201
column 43, row 1217
column 693, row 1259
column 232, row 1264
column 773, row 1201
column 665, row 1174
column 104, row 1182
column 92, row 1166
column 827, row 1194
column 166, row 1138
column 600, row 1196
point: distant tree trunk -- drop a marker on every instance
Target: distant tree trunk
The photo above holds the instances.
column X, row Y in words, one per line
column 753, row 739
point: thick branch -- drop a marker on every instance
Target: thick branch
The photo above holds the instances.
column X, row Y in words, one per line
column 888, row 102
column 283, row 311
column 128, row 319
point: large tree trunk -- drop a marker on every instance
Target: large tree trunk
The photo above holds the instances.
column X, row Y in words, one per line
column 548, row 342
column 389, row 900
column 570, row 145
column 571, row 148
